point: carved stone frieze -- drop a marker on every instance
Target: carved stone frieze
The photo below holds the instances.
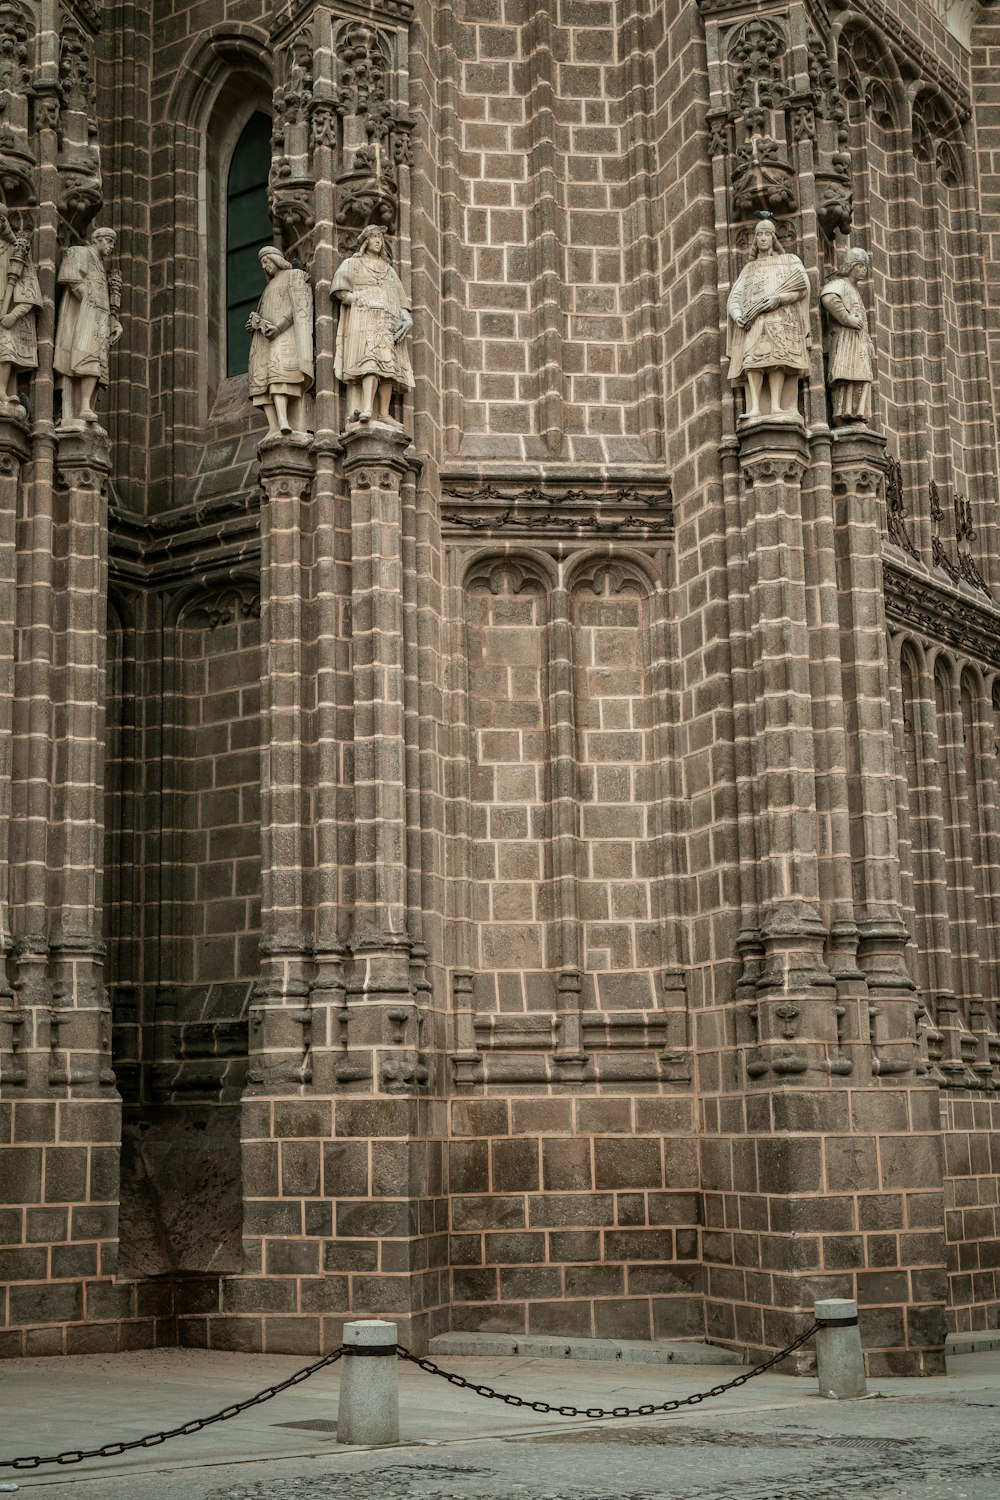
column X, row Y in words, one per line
column 932, row 610
column 594, row 509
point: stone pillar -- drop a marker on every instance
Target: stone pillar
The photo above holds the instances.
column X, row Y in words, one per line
column 795, row 1013
column 279, row 1016
column 14, row 1022
column 379, row 978
column 81, row 1013
column 858, row 465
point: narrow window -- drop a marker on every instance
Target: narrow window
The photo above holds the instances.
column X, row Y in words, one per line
column 248, row 227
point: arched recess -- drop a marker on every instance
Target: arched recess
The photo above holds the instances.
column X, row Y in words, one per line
column 619, row 855
column 882, row 185
column 225, row 78
column 508, row 824
column 949, row 293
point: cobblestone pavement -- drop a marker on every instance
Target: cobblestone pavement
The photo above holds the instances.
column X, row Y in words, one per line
column 899, row 1449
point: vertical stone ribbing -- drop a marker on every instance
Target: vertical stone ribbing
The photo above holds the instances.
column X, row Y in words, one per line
column 857, row 468
column 279, row 1016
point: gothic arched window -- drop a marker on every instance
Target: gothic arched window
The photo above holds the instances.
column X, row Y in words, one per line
column 248, row 227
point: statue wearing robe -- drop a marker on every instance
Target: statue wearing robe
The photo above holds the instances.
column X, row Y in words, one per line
column 769, row 326
column 375, row 317
column 850, row 368
column 281, row 346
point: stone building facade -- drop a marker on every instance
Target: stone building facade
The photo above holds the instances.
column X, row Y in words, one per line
column 532, row 864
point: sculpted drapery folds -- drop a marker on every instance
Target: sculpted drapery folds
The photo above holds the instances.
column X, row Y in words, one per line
column 87, row 326
column 281, row 349
column 850, row 371
column 769, row 328
column 375, row 318
column 20, row 299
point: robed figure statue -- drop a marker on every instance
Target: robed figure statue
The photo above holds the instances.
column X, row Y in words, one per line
column 850, row 368
column 769, row 328
column 281, row 347
column 87, row 325
column 375, row 318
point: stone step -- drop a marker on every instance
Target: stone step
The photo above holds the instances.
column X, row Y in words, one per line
column 979, row 1341
column 548, row 1346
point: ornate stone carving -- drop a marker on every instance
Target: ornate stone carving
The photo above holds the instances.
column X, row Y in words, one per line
column 755, row 52
column 281, row 344
column 763, row 179
column 376, row 139
column 20, row 300
column 965, row 535
column 896, row 510
column 293, row 99
column 851, row 369
column 15, row 74
column 506, row 575
column 375, row 319
column 79, row 159
column 769, row 329
column 87, row 325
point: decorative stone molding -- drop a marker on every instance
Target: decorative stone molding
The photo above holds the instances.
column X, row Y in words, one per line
column 920, row 603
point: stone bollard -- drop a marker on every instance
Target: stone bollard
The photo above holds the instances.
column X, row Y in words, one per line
column 840, row 1359
column 368, row 1410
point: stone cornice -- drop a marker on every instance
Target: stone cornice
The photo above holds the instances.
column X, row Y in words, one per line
column 163, row 550
column 941, row 613
column 577, row 506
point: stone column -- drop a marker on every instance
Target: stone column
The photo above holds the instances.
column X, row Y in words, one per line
column 379, row 979
column 279, row 1016
column 858, row 464
column 795, row 1013
column 14, row 1029
column 81, row 1014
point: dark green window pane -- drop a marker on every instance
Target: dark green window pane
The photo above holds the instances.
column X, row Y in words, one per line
column 249, row 221
column 245, row 277
column 253, row 148
column 248, row 227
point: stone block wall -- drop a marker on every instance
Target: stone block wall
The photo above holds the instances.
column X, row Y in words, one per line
column 532, row 953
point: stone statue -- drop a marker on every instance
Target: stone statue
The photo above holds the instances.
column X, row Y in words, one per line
column 850, row 370
column 281, row 349
column 769, row 328
column 20, row 299
column 375, row 318
column 87, row 326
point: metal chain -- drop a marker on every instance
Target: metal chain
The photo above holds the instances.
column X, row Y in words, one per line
column 596, row 1412
column 153, row 1439
column 198, row 1424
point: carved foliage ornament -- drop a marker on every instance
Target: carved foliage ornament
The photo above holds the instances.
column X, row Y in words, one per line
column 376, row 139
column 755, row 51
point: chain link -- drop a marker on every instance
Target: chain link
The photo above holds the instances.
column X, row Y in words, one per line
column 197, row 1424
column 597, row 1412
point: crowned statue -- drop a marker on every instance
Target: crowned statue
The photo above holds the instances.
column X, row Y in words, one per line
column 850, row 367
column 375, row 318
column 769, row 328
column 281, row 344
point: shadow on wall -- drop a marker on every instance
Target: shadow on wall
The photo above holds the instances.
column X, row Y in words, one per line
column 181, row 1191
